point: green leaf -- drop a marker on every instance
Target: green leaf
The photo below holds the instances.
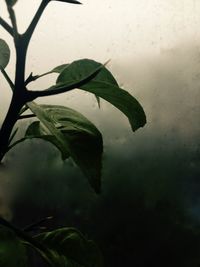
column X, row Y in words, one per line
column 73, row 135
column 36, row 130
column 90, row 66
column 59, row 68
column 49, row 124
column 12, row 251
column 4, row 54
column 121, row 99
column 80, row 69
column 104, row 86
column 71, row 246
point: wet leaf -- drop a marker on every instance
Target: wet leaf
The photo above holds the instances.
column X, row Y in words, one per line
column 104, row 86
column 71, row 246
column 73, row 134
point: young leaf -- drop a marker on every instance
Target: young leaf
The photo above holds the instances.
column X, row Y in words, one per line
column 59, row 68
column 70, row 244
column 88, row 66
column 12, row 251
column 79, row 69
column 4, row 54
column 105, row 86
column 73, row 135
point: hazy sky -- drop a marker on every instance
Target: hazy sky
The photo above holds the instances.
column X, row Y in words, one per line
column 123, row 31
column 115, row 29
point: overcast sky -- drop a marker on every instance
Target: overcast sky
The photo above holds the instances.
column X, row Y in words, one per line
column 127, row 32
column 114, row 29
column 152, row 45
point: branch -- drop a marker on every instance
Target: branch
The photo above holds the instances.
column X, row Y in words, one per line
column 13, row 21
column 7, row 78
column 31, row 78
column 6, row 26
column 35, row 20
column 59, row 89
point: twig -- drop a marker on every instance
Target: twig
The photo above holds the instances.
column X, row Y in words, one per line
column 29, row 32
column 14, row 22
column 7, row 78
column 6, row 26
column 22, row 117
column 31, row 78
column 54, row 90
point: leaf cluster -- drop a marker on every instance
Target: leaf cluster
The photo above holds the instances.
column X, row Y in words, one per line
column 65, row 128
column 68, row 130
column 59, row 248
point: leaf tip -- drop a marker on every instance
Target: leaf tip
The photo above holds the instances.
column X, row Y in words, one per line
column 106, row 63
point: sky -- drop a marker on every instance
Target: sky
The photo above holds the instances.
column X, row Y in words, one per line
column 154, row 48
column 135, row 35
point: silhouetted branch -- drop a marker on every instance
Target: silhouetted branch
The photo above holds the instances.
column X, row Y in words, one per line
column 6, row 26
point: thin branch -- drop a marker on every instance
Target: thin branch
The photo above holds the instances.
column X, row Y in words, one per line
column 31, row 78
column 7, row 78
column 35, row 20
column 26, row 116
column 59, row 89
column 14, row 22
column 6, row 26
column 73, row 2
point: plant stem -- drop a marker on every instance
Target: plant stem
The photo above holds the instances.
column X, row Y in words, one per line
column 6, row 26
column 7, row 78
column 29, row 32
column 14, row 22
column 20, row 93
column 8, row 124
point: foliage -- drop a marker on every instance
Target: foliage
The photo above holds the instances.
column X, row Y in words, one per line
column 68, row 130
column 62, row 247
